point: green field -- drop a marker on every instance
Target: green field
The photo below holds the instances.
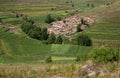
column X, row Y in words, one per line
column 19, row 48
column 22, row 49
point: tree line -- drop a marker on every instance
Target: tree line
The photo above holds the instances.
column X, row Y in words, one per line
column 39, row 33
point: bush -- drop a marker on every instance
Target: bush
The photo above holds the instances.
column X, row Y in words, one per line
column 103, row 54
column 48, row 59
column 59, row 40
column 77, row 59
column 79, row 28
column 0, row 20
column 84, row 40
column 49, row 19
column 51, row 39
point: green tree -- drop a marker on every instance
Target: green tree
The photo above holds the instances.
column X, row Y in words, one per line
column 73, row 5
column 44, row 34
column 79, row 28
column 103, row 54
column 59, row 40
column 51, row 39
column 0, row 20
column 83, row 40
column 59, row 18
column 26, row 27
column 48, row 59
column 77, row 59
column 49, row 19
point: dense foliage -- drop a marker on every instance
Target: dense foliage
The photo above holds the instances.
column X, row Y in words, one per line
column 51, row 39
column 79, row 28
column 83, row 40
column 103, row 54
column 48, row 59
column 33, row 31
column 49, row 19
column 59, row 40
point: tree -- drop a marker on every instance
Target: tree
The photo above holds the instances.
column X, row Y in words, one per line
column 103, row 54
column 59, row 18
column 0, row 20
column 35, row 32
column 84, row 40
column 48, row 59
column 88, row 5
column 59, row 40
column 44, row 33
column 92, row 5
column 51, row 39
column 79, row 28
column 49, row 19
column 73, row 5
column 77, row 59
column 26, row 27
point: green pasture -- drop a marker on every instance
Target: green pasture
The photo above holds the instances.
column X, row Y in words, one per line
column 21, row 49
column 105, row 31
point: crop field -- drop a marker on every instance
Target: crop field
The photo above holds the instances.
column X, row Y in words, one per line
column 19, row 48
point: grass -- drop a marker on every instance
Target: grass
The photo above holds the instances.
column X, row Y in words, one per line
column 105, row 31
column 27, row 50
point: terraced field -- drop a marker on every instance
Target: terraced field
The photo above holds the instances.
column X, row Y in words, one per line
column 21, row 49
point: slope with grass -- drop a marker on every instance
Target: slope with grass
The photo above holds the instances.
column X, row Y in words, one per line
column 19, row 48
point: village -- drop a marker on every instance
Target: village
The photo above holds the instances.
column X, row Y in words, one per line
column 69, row 25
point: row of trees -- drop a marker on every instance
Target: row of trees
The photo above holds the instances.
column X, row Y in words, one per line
column 39, row 33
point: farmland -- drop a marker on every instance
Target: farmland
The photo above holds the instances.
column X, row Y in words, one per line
column 27, row 48
column 24, row 57
column 102, row 32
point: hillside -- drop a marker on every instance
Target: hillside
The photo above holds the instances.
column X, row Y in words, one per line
column 105, row 13
column 26, row 50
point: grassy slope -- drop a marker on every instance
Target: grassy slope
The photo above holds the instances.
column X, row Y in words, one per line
column 24, row 49
column 107, row 27
column 19, row 48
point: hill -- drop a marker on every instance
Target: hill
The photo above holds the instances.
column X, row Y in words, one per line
column 17, row 48
column 105, row 13
column 21, row 49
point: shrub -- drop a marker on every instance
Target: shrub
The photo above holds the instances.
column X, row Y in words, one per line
column 103, row 54
column 44, row 33
column 59, row 40
column 0, row 20
column 59, row 18
column 77, row 59
column 84, row 40
column 48, row 59
column 51, row 39
column 79, row 28
column 49, row 19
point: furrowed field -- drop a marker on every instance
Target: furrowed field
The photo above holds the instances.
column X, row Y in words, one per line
column 22, row 56
column 16, row 48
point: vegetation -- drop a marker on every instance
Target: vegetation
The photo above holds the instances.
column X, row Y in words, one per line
column 48, row 59
column 24, row 54
column 49, row 19
column 83, row 40
column 77, row 59
column 79, row 28
column 103, row 54
column 51, row 39
column 34, row 31
column 59, row 40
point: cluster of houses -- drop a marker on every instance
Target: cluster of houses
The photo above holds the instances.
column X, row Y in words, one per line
column 68, row 26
